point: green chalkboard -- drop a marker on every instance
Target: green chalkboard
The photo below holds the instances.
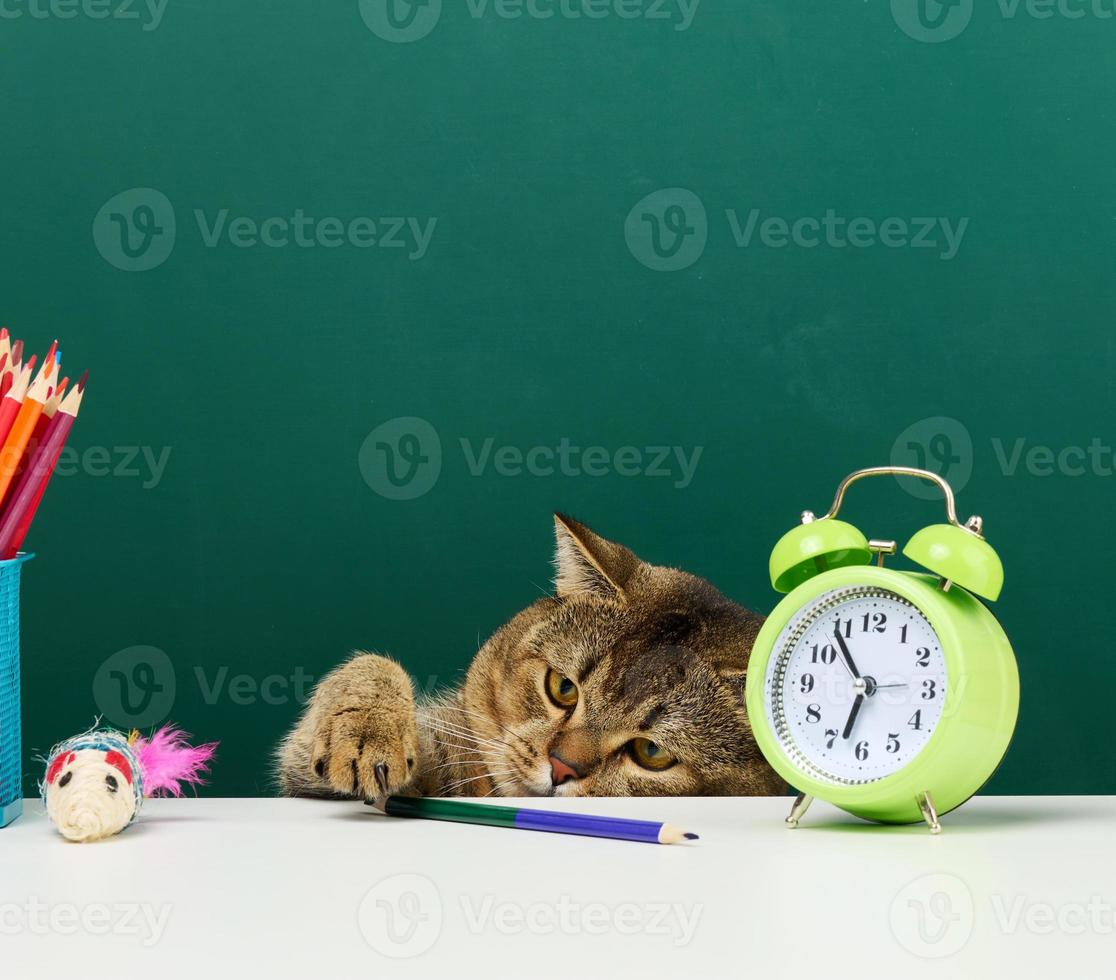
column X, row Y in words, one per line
column 367, row 291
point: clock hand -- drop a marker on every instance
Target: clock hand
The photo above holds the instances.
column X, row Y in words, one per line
column 857, row 702
column 845, row 655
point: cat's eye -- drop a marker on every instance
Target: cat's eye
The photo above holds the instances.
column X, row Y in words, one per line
column 65, row 779
column 111, row 783
column 561, row 690
column 650, row 754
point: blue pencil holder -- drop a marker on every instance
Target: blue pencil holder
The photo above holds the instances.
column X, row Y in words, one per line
column 11, row 769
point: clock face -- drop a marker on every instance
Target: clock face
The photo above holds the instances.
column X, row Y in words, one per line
column 855, row 685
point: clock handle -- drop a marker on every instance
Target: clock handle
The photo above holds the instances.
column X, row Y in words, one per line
column 973, row 525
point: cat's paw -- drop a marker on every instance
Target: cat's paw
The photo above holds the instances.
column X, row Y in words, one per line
column 366, row 739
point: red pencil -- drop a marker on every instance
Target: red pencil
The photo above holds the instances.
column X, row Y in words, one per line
column 11, row 403
column 14, row 367
column 49, row 410
column 39, row 469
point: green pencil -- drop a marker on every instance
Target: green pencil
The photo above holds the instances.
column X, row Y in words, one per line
column 523, row 818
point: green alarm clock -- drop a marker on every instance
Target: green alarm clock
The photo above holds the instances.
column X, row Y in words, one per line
column 891, row 694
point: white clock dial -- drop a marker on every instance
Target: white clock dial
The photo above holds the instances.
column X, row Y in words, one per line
column 856, row 685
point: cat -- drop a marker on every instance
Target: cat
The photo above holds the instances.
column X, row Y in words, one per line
column 629, row 681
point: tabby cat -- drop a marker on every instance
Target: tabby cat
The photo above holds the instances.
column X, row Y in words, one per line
column 629, row 681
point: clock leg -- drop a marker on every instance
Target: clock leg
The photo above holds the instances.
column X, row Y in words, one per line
column 929, row 814
column 801, row 805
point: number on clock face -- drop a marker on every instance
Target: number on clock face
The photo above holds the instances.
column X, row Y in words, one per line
column 856, row 684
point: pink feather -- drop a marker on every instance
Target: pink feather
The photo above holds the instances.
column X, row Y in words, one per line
column 168, row 761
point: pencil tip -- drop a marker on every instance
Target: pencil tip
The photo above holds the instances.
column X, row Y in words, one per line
column 3, row 333
column 81, row 380
column 691, row 836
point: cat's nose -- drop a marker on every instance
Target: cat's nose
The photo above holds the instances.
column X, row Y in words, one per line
column 561, row 771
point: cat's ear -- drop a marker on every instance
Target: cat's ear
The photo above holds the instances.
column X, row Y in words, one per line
column 584, row 562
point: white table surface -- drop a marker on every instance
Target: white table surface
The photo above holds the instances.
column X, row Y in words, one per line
column 1013, row 887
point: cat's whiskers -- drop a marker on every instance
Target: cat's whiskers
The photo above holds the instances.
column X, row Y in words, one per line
column 457, row 747
column 498, row 787
column 472, row 739
column 472, row 761
column 473, row 779
column 477, row 714
column 466, row 762
column 449, row 728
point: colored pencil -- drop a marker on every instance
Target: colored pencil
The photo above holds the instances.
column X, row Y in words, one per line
column 37, row 413
column 20, row 433
column 24, row 525
column 38, row 470
column 12, row 402
column 12, row 369
column 524, row 818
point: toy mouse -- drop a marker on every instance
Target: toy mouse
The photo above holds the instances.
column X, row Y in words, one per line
column 96, row 782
